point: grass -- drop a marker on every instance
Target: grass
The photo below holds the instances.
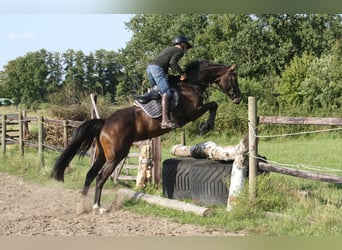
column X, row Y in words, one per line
column 321, row 150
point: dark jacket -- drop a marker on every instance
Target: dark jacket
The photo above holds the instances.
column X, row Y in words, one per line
column 169, row 58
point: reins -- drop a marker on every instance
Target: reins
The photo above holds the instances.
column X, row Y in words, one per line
column 210, row 84
column 195, row 85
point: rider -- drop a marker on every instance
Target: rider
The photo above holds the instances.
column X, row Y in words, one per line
column 157, row 71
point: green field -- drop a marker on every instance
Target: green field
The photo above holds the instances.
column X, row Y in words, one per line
column 322, row 151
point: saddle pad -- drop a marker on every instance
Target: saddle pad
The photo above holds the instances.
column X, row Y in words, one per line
column 152, row 108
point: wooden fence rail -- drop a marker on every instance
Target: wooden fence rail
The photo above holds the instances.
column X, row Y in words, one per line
column 331, row 121
column 19, row 124
column 300, row 173
column 254, row 120
column 14, row 129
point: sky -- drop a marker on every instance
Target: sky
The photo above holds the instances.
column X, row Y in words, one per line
column 23, row 33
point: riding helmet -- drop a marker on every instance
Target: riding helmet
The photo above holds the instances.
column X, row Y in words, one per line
column 181, row 39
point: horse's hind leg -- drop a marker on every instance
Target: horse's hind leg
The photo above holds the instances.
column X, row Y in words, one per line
column 102, row 177
column 92, row 173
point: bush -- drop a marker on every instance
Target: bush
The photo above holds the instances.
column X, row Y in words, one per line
column 82, row 111
column 76, row 112
column 312, row 85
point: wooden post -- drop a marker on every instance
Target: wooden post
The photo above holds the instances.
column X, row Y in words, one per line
column 65, row 133
column 237, row 177
column 156, row 156
column 94, row 112
column 302, row 174
column 129, row 194
column 237, row 181
column 253, row 146
column 183, row 142
column 3, row 134
column 21, row 134
column 25, row 125
column 144, row 174
column 210, row 150
column 41, row 140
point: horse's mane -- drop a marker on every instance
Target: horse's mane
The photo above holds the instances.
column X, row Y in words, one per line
column 197, row 65
column 200, row 64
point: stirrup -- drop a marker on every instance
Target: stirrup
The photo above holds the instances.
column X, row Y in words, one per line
column 168, row 124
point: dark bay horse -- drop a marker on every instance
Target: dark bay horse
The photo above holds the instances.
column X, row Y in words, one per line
column 114, row 135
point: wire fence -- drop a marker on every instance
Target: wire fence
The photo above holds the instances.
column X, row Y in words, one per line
column 256, row 162
column 299, row 165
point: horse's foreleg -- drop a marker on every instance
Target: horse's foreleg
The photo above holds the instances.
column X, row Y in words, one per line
column 210, row 122
column 212, row 114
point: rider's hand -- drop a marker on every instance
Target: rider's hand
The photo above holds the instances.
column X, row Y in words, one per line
column 182, row 77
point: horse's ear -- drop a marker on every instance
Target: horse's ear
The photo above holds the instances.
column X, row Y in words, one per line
column 232, row 67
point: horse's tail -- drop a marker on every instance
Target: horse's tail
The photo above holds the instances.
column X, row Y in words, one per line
column 81, row 141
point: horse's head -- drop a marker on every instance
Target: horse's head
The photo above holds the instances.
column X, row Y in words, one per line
column 228, row 83
column 205, row 73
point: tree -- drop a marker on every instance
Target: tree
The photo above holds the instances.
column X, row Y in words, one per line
column 60, row 78
column 313, row 84
column 151, row 34
column 55, row 72
column 27, row 78
column 262, row 45
column 90, row 76
column 8, row 81
column 294, row 35
column 74, row 83
column 239, row 39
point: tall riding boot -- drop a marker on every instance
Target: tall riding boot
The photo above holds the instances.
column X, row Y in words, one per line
column 166, row 122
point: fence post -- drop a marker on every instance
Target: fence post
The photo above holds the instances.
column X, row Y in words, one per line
column 94, row 111
column 156, row 156
column 65, row 133
column 3, row 135
column 21, row 134
column 183, row 142
column 25, row 125
column 253, row 146
column 41, row 140
column 144, row 172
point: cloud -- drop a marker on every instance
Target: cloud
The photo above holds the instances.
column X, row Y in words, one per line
column 13, row 36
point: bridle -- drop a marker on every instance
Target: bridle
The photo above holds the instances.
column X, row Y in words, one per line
column 204, row 92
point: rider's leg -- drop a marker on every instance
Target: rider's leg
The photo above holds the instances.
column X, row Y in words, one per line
column 150, row 72
column 166, row 122
column 157, row 75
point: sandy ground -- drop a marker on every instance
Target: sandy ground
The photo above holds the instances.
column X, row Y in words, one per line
column 29, row 209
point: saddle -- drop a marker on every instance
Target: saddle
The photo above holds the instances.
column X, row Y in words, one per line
column 151, row 101
column 153, row 94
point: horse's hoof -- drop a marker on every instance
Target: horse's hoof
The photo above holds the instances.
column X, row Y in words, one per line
column 99, row 210
column 203, row 128
column 102, row 210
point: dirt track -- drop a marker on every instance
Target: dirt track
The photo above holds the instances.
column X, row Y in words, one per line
column 29, row 209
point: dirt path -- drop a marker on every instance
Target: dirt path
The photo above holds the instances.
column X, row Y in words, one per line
column 29, row 209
